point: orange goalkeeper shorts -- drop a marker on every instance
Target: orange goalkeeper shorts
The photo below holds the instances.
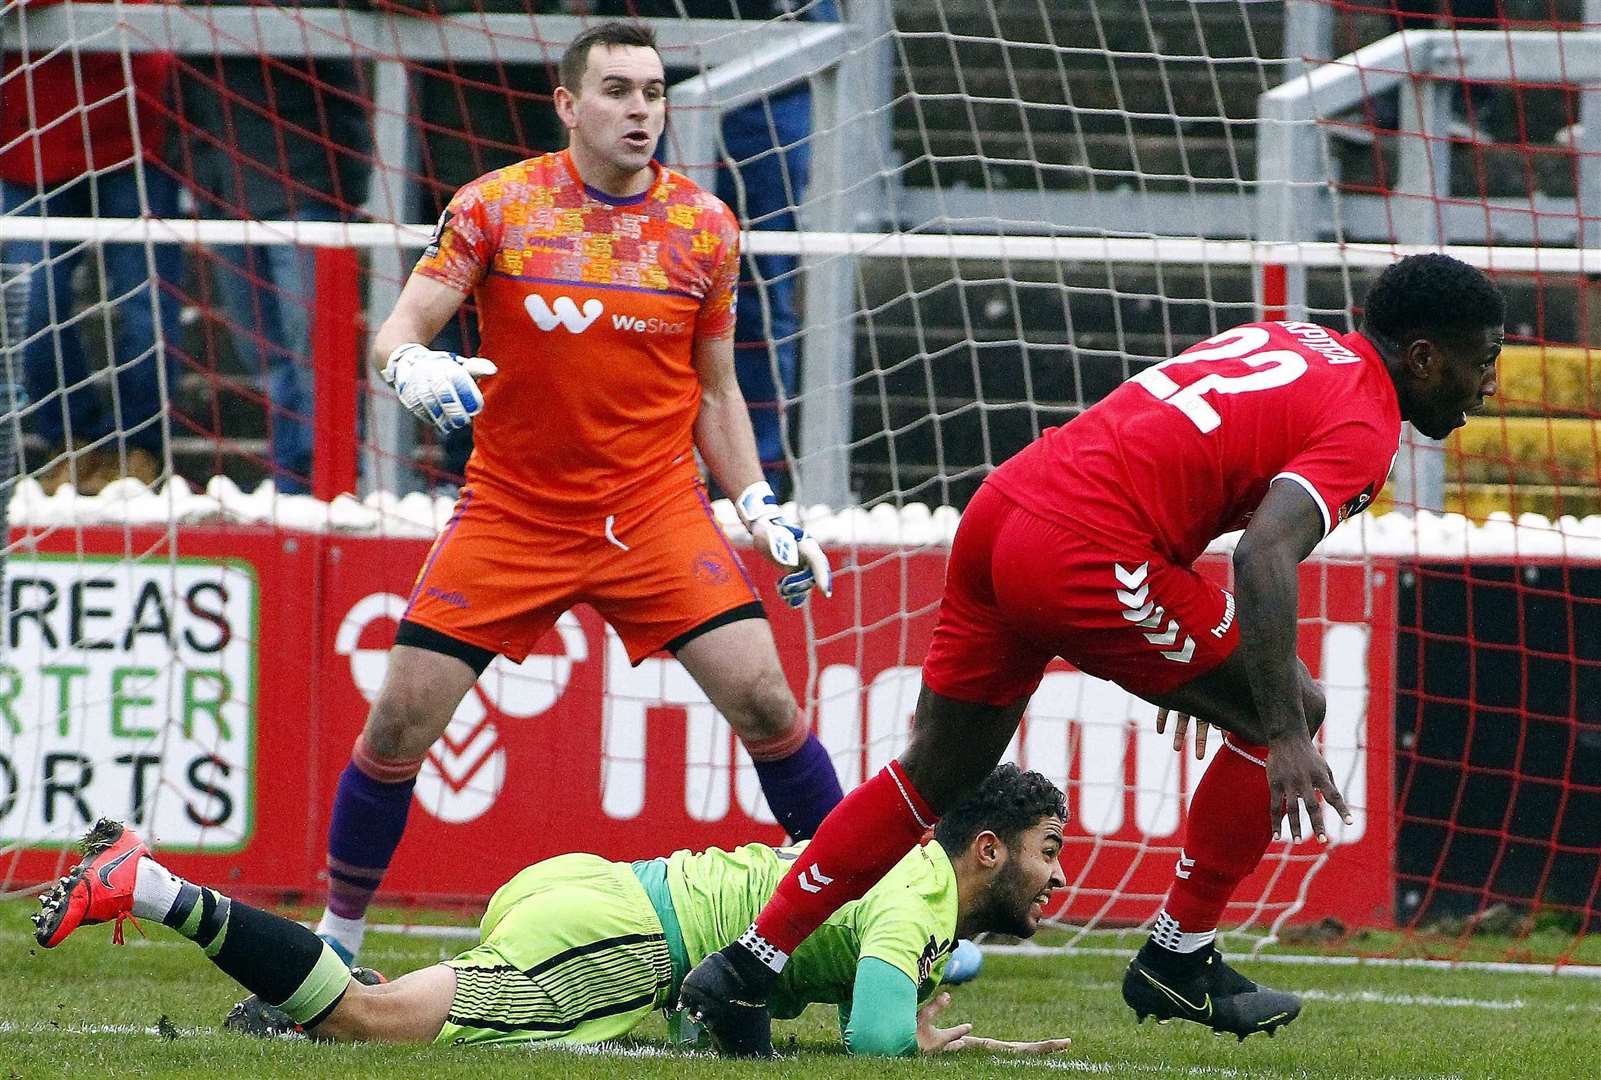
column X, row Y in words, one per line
column 498, row 579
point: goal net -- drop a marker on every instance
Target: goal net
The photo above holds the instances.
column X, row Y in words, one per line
column 968, row 220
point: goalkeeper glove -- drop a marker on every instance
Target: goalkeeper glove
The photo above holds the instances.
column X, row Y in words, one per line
column 437, row 386
column 788, row 544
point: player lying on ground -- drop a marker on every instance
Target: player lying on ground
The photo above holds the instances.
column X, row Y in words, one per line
column 577, row 949
column 605, row 290
column 1081, row 547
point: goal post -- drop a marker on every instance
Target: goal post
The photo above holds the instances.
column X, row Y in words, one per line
column 1009, row 211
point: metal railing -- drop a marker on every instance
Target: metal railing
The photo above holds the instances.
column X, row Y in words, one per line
column 1298, row 197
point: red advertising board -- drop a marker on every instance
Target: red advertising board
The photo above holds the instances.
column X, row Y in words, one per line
column 576, row 750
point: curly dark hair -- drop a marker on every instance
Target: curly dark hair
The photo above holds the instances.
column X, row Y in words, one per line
column 1008, row 803
column 1431, row 296
column 576, row 58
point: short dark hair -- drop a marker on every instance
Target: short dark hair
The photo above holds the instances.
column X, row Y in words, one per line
column 1008, row 803
column 610, row 34
column 1431, row 296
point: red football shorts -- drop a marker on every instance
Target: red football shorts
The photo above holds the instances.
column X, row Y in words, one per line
column 1021, row 590
column 499, row 579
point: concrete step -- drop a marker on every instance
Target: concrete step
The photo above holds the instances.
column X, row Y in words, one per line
column 954, row 435
column 948, row 318
column 906, row 483
column 1166, row 26
column 1121, row 86
column 1009, row 161
column 1478, row 170
column 994, row 372
column 981, row 293
column 949, row 111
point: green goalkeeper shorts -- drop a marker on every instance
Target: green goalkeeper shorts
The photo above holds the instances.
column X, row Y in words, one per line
column 571, row 951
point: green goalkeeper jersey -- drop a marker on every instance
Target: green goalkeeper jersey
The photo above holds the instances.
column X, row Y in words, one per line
column 907, row 920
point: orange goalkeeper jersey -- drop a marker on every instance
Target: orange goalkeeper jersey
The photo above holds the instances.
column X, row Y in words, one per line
column 590, row 306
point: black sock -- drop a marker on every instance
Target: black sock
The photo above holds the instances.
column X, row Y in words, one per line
column 276, row 959
column 1174, row 965
column 756, row 975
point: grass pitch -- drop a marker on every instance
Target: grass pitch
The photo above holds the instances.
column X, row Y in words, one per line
column 154, row 1008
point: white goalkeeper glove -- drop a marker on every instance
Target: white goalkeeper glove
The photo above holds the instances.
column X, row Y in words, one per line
column 788, row 544
column 437, row 386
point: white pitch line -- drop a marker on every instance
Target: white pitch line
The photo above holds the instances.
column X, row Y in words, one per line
column 1121, row 1068
column 1376, row 997
column 7, row 1027
column 1577, row 971
column 613, row 1049
column 470, row 933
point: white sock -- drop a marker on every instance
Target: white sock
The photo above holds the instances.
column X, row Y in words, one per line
column 764, row 950
column 155, row 890
column 348, row 932
column 1168, row 935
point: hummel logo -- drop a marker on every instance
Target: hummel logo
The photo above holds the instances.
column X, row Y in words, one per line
column 1140, row 609
column 111, row 867
column 1183, row 653
column 1132, row 579
column 564, row 312
column 1204, row 1008
column 817, row 876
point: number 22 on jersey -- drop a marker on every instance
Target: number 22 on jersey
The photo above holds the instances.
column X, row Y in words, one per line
column 1278, row 367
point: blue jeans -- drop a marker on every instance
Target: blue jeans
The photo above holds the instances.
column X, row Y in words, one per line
column 775, row 164
column 268, row 294
column 68, row 400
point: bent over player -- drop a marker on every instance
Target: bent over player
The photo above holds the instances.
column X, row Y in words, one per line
column 577, row 949
column 1081, row 547
column 605, row 291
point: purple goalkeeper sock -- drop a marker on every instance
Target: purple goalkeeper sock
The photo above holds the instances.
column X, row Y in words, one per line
column 801, row 789
column 368, row 819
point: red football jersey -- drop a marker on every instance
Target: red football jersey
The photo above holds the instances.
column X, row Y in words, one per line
column 1184, row 451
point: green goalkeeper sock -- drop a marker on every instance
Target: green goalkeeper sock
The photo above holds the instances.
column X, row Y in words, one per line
column 278, row 960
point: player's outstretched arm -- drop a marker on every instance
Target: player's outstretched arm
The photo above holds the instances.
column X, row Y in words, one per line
column 723, row 436
column 883, row 1021
column 435, row 386
column 1283, row 531
column 886, row 1022
column 937, row 1040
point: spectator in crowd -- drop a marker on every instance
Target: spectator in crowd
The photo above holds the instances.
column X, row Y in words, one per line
column 79, row 141
column 768, row 142
column 270, row 138
column 474, row 118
